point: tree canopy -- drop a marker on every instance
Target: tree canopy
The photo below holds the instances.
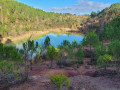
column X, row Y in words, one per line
column 112, row 30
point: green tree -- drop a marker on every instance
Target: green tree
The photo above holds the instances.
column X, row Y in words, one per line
column 32, row 49
column 29, row 48
column 74, row 43
column 52, row 54
column 9, row 53
column 91, row 39
column 39, row 52
column 25, row 54
column 114, row 50
column 79, row 55
column 93, row 14
column 67, row 48
column 66, row 43
column 104, row 61
column 100, row 50
column 111, row 31
column 47, row 42
column 59, row 81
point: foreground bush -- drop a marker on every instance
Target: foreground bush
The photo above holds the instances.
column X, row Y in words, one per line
column 10, row 71
column 59, row 81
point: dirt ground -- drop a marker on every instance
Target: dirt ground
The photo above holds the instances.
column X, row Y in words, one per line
column 79, row 80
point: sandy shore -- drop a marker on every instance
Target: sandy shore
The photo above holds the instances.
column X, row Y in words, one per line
column 33, row 34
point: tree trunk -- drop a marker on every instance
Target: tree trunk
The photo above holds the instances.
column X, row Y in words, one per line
column 26, row 70
column 90, row 52
column 31, row 64
column 36, row 58
column 105, row 68
column 117, row 65
column 51, row 63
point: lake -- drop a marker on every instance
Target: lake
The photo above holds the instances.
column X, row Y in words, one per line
column 56, row 39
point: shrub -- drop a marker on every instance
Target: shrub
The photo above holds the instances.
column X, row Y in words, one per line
column 12, row 19
column 104, row 61
column 27, row 28
column 59, row 81
column 9, row 53
column 8, row 68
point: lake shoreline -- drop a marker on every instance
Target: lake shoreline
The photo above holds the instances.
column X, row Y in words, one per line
column 33, row 35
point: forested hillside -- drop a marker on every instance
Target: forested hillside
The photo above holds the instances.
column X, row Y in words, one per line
column 99, row 20
column 17, row 18
column 111, row 31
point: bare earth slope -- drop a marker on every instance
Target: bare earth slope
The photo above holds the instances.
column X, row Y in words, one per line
column 80, row 82
column 39, row 80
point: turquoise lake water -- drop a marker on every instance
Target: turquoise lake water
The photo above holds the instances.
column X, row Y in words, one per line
column 57, row 39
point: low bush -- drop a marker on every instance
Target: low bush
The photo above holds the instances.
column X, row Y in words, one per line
column 59, row 81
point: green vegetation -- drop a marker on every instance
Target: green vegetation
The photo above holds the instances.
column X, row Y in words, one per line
column 38, row 55
column 18, row 17
column 52, row 54
column 47, row 42
column 74, row 43
column 115, row 7
column 114, row 50
column 71, row 51
column 99, row 50
column 91, row 39
column 104, row 61
column 59, row 81
column 80, row 56
column 9, row 53
column 100, row 19
column 32, row 49
column 11, row 68
column 111, row 31
column 93, row 14
column 10, row 63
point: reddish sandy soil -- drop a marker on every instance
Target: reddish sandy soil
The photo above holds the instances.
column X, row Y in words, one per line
column 79, row 80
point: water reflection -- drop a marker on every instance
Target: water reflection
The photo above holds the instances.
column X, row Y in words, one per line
column 56, row 39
